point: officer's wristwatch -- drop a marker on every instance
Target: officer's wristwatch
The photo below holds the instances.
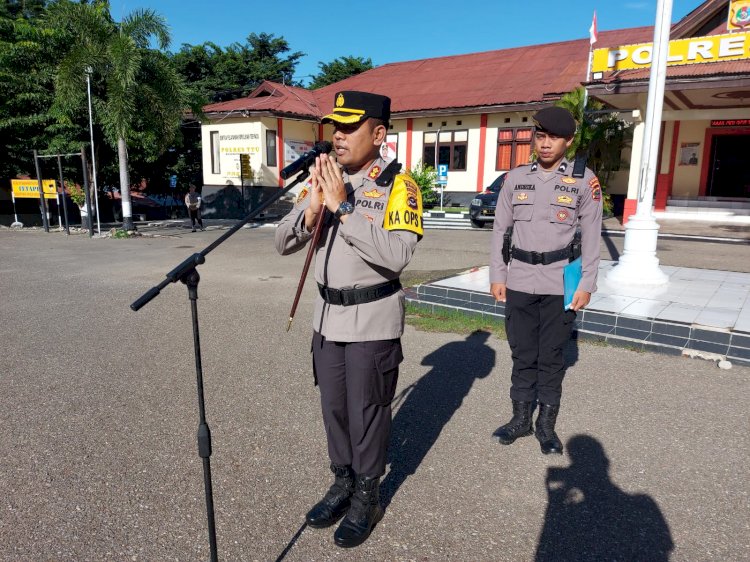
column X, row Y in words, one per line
column 345, row 208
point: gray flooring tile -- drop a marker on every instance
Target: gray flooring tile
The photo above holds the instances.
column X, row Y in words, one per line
column 646, row 308
column 678, row 312
column 717, row 317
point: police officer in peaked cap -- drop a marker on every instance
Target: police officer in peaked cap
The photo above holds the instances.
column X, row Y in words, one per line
column 545, row 205
column 372, row 223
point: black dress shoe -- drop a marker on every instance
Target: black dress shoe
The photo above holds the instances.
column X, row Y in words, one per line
column 363, row 515
column 336, row 501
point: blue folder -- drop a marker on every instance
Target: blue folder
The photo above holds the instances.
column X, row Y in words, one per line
column 571, row 277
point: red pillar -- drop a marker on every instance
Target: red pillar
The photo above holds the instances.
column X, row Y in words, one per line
column 630, row 207
column 280, row 146
column 482, row 148
column 664, row 182
column 409, row 127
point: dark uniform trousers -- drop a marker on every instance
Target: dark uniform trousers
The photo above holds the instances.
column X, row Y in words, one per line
column 357, row 382
column 538, row 328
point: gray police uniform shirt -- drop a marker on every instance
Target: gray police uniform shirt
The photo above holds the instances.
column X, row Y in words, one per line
column 356, row 254
column 544, row 210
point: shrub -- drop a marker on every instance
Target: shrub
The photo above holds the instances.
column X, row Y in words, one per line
column 425, row 177
column 77, row 195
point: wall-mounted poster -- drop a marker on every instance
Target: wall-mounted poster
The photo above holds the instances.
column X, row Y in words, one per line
column 689, row 153
column 293, row 149
column 389, row 149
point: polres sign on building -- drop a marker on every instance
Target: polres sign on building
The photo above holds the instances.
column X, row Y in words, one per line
column 695, row 50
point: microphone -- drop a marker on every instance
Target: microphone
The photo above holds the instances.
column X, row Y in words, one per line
column 304, row 161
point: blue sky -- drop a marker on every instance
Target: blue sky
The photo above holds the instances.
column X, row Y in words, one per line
column 401, row 31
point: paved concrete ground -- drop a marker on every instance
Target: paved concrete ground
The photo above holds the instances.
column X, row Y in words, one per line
column 98, row 409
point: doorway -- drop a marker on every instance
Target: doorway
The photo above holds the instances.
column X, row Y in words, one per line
column 728, row 174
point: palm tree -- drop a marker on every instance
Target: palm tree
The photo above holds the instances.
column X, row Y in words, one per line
column 138, row 93
column 601, row 134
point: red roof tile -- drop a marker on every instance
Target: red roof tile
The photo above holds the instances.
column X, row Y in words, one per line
column 274, row 98
column 493, row 78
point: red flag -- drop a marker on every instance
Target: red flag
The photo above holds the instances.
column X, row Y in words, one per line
column 592, row 30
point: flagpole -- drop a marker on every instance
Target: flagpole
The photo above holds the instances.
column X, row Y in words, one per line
column 588, row 77
column 638, row 264
column 592, row 39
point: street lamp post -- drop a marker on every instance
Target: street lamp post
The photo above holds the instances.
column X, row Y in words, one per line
column 89, row 70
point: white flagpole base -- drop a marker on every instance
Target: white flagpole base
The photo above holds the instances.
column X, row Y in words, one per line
column 638, row 264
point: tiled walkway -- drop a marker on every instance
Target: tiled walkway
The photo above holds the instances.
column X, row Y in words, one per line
column 699, row 310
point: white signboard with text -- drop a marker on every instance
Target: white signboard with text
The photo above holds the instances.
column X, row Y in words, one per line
column 232, row 145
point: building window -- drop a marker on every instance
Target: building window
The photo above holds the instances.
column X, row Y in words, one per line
column 271, row 148
column 513, row 148
column 215, row 152
column 452, row 149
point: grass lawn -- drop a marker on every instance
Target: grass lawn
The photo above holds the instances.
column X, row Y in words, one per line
column 452, row 322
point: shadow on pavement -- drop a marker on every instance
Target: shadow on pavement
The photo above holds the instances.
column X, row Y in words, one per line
column 291, row 542
column 430, row 403
column 589, row 518
column 614, row 253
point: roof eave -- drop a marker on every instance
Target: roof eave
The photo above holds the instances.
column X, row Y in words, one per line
column 475, row 109
column 683, row 83
column 247, row 113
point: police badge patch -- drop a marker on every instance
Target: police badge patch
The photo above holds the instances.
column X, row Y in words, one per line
column 301, row 195
column 373, row 193
column 596, row 189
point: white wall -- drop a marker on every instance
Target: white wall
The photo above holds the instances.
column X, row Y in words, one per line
column 235, row 136
column 686, row 181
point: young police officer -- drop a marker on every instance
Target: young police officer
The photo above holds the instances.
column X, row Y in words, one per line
column 370, row 231
column 544, row 204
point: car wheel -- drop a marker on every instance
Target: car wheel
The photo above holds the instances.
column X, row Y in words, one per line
column 477, row 224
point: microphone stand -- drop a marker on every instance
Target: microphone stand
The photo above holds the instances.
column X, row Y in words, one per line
column 187, row 273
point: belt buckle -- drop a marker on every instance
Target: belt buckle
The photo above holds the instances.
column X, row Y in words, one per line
column 334, row 296
column 346, row 298
column 536, row 258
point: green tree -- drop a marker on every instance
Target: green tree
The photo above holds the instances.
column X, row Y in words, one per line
column 339, row 69
column 29, row 51
column 225, row 74
column 602, row 134
column 139, row 98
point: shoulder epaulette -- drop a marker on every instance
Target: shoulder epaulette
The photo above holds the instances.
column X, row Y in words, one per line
column 386, row 176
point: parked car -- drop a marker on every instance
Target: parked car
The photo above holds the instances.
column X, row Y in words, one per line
column 482, row 207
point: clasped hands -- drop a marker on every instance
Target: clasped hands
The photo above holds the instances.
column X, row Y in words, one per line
column 327, row 189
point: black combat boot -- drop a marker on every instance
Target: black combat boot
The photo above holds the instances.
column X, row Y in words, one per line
column 518, row 426
column 335, row 503
column 363, row 514
column 545, row 429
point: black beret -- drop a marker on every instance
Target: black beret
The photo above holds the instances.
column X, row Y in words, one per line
column 556, row 121
column 353, row 107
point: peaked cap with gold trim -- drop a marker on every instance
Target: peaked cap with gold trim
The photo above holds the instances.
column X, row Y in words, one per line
column 353, row 107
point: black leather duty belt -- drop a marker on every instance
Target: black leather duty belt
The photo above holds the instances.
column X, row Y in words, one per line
column 544, row 258
column 348, row 297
